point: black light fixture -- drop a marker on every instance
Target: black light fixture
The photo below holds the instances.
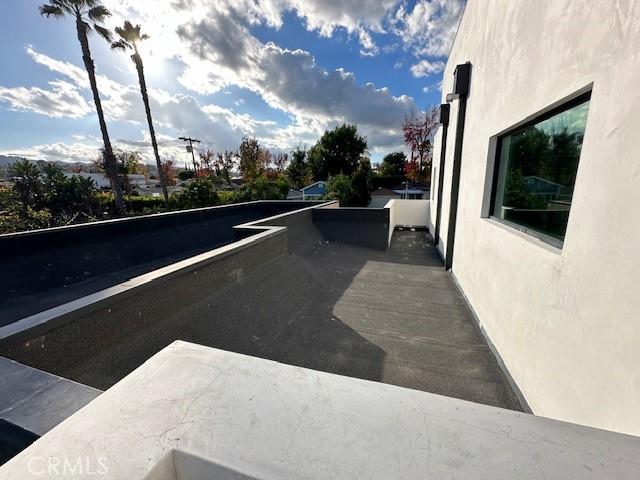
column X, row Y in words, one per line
column 461, row 81
column 443, row 114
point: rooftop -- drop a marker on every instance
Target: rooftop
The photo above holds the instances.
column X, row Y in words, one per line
column 393, row 316
column 327, row 293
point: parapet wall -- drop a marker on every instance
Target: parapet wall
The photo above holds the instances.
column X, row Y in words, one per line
column 83, row 339
column 43, row 268
column 364, row 227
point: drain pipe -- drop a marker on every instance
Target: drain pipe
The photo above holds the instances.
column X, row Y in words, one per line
column 444, row 121
column 462, row 78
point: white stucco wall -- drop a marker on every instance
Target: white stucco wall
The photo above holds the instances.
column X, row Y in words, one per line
column 566, row 322
column 409, row 213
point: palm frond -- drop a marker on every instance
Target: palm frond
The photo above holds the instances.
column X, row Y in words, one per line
column 121, row 45
column 51, row 11
column 130, row 33
column 98, row 14
column 103, row 32
column 64, row 5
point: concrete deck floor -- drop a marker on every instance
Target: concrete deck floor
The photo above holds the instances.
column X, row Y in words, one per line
column 394, row 317
column 408, row 308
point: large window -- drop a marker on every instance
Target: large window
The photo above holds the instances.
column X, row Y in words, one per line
column 536, row 171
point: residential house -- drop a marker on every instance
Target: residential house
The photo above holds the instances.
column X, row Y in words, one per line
column 315, row 191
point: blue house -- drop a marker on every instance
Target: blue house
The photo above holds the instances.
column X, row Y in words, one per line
column 315, row 191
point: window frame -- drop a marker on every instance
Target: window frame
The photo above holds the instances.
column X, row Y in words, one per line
column 567, row 104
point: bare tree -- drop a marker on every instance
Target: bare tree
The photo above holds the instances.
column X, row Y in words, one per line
column 419, row 129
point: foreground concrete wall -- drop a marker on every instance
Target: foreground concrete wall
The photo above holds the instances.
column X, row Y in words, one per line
column 565, row 321
column 192, row 412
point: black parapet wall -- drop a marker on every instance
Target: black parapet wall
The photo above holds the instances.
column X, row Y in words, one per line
column 44, row 268
column 364, row 227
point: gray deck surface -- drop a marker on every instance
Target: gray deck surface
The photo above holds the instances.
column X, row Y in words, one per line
column 38, row 401
column 408, row 316
column 395, row 317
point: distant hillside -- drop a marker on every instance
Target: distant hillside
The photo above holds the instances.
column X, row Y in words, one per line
column 8, row 160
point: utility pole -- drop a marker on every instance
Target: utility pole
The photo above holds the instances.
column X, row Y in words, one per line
column 190, row 148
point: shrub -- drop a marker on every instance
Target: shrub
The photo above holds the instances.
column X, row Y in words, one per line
column 264, row 189
column 184, row 175
column 147, row 204
column 198, row 193
column 340, row 189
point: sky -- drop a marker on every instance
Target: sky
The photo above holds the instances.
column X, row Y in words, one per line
column 282, row 71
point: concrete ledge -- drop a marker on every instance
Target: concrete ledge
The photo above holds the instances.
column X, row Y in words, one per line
column 37, row 401
column 196, row 412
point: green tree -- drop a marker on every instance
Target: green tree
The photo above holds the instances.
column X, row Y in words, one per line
column 41, row 196
column 28, row 191
column 222, row 166
column 263, row 188
column 360, row 184
column 89, row 16
column 338, row 151
column 340, row 189
column 393, row 164
column 252, row 159
column 130, row 37
column 298, row 170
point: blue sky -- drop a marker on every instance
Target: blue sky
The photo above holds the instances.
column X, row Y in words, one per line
column 280, row 70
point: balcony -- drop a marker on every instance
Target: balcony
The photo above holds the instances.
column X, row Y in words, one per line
column 294, row 336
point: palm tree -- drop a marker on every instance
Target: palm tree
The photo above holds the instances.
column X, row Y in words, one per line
column 89, row 15
column 130, row 37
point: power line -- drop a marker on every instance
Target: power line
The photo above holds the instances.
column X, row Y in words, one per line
column 190, row 148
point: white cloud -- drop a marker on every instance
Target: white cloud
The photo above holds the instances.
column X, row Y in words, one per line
column 369, row 48
column 75, row 152
column 289, row 80
column 213, row 40
column 424, row 68
column 428, row 29
column 433, row 88
column 62, row 100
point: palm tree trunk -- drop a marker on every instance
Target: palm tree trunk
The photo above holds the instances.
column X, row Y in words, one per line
column 110, row 163
column 145, row 98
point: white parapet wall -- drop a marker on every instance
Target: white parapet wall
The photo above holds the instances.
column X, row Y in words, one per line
column 407, row 213
column 201, row 413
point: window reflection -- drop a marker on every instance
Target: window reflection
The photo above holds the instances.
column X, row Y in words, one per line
column 537, row 169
